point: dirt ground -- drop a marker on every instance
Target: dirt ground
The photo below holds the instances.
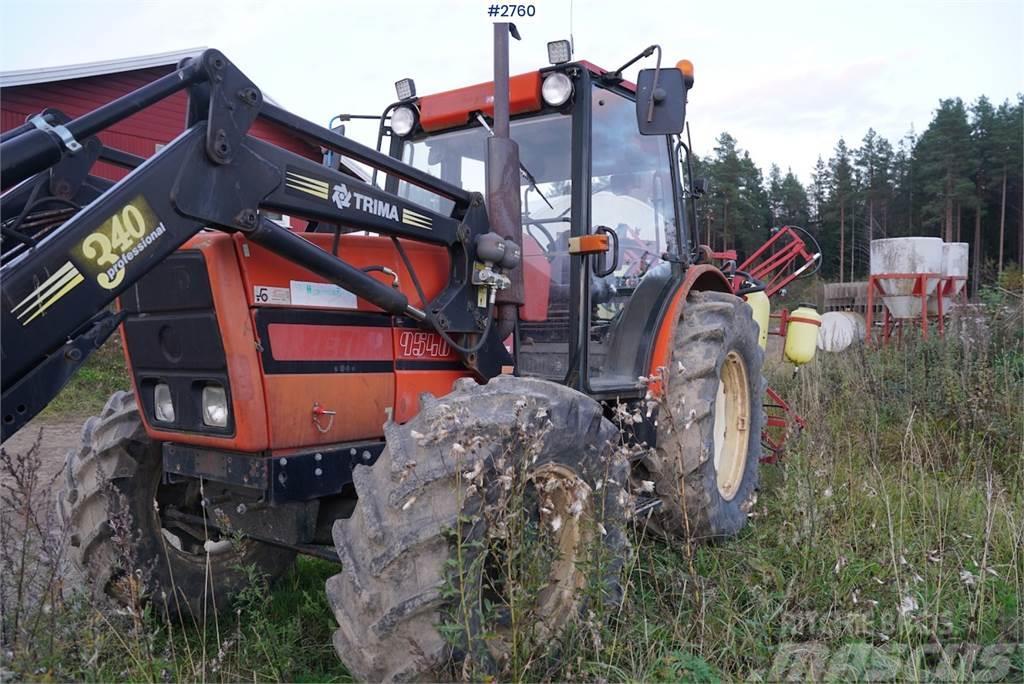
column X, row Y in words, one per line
column 32, row 539
column 56, row 436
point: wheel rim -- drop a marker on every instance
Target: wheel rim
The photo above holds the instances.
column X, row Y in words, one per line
column 563, row 490
column 564, row 501
column 732, row 425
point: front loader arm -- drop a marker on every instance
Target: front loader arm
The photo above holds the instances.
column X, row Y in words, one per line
column 53, row 295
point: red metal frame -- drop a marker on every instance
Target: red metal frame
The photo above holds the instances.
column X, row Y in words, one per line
column 773, row 270
column 778, row 426
column 772, row 264
column 773, row 267
column 890, row 324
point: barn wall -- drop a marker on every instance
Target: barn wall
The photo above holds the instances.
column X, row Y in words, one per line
column 138, row 134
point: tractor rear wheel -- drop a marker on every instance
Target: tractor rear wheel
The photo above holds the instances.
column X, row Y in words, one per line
column 114, row 503
column 424, row 592
column 704, row 469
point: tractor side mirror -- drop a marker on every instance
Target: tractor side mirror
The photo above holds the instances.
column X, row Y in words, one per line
column 661, row 106
column 700, row 186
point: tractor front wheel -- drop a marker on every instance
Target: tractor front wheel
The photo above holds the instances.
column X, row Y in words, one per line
column 124, row 540
column 478, row 531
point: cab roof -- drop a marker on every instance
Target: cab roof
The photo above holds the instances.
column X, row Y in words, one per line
column 453, row 108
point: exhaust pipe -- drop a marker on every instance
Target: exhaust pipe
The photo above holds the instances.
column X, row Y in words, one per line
column 503, row 204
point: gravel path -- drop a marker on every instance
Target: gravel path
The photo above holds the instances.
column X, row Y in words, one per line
column 56, row 436
column 33, row 555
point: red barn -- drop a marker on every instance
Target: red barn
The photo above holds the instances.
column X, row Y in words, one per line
column 80, row 88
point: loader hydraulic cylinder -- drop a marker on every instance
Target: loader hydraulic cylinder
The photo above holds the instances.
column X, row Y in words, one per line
column 289, row 245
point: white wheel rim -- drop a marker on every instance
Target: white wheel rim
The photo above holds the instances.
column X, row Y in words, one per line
column 732, row 426
column 559, row 488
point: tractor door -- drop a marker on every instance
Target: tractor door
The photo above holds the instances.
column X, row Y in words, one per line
column 631, row 194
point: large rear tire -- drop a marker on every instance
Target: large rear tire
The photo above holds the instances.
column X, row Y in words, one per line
column 111, row 502
column 705, row 466
column 415, row 553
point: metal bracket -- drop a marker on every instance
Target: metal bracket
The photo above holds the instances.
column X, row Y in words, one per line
column 296, row 477
column 61, row 132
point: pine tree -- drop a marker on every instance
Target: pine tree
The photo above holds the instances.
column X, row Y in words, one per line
column 865, row 166
column 1007, row 161
column 724, row 173
column 737, row 210
column 945, row 168
column 822, row 228
column 968, row 166
column 775, row 192
column 819, row 185
column 841, row 195
column 984, row 153
column 793, row 209
column 902, row 215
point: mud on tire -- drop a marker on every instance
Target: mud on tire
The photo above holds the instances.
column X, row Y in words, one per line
column 715, row 345
column 109, row 501
column 423, row 514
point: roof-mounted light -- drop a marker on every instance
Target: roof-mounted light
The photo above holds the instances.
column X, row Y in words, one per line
column 556, row 89
column 405, row 89
column 686, row 66
column 403, row 120
column 559, row 51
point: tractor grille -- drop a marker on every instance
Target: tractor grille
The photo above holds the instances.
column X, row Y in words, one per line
column 173, row 338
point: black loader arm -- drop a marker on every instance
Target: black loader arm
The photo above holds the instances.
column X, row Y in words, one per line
column 56, row 286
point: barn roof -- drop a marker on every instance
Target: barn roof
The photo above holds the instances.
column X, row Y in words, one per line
column 111, row 66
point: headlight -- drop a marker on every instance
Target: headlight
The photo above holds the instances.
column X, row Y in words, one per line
column 402, row 120
column 215, row 406
column 557, row 89
column 163, row 405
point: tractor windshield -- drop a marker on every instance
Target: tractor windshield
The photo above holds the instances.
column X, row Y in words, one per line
column 459, row 157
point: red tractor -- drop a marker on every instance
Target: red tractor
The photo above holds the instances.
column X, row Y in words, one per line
column 523, row 268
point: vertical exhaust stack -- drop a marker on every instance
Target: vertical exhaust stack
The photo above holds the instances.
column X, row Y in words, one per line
column 503, row 202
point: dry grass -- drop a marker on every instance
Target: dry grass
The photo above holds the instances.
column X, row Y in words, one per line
column 888, row 545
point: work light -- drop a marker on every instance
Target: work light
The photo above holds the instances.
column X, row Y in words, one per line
column 557, row 89
column 403, row 119
column 405, row 89
column 559, row 51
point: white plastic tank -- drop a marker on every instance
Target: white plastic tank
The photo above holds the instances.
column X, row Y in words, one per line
column 954, row 263
column 906, row 255
column 839, row 330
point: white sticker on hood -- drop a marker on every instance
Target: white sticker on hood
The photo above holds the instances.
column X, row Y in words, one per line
column 305, row 293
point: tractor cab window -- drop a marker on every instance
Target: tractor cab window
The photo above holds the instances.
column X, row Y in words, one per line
column 631, row 193
column 545, row 150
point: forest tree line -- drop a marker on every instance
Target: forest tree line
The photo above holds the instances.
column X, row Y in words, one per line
column 962, row 179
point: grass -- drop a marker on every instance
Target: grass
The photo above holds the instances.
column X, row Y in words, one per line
column 888, row 545
column 88, row 390
column 279, row 635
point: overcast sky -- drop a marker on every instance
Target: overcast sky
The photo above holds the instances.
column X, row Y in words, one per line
column 786, row 78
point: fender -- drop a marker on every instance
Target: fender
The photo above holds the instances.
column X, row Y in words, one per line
column 699, row 278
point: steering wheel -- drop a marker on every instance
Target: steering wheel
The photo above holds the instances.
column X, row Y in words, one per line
column 529, row 225
column 539, row 223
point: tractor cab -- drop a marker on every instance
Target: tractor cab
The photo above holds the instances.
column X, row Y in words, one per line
column 587, row 171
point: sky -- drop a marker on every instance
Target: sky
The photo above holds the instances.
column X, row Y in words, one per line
column 786, row 78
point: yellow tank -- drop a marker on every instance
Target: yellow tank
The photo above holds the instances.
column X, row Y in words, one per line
column 802, row 334
column 758, row 302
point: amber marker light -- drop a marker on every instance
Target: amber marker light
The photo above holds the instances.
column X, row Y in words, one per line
column 686, row 66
